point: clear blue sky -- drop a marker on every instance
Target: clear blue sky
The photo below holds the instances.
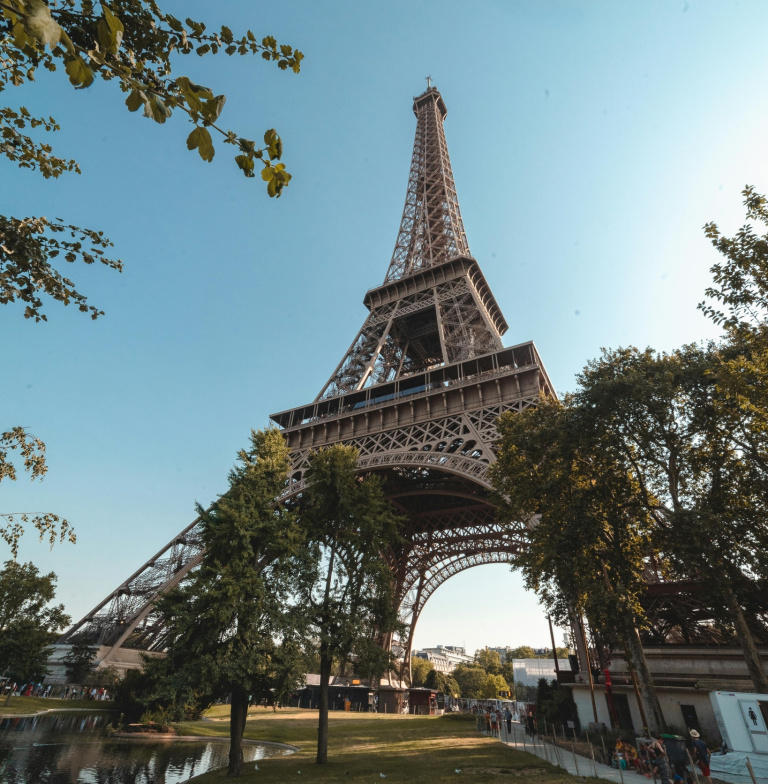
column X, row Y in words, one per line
column 590, row 142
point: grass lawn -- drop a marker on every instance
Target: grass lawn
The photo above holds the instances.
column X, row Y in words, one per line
column 362, row 746
column 25, row 705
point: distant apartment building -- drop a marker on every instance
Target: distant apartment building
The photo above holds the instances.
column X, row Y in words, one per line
column 444, row 658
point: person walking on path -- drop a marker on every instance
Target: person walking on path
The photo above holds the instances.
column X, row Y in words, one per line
column 701, row 756
column 530, row 724
column 508, row 719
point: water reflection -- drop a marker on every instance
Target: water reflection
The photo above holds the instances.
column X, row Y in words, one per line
column 71, row 748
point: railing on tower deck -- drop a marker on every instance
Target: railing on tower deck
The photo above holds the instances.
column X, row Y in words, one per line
column 508, row 361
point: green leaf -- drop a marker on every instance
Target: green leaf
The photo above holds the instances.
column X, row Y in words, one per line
column 246, row 165
column 200, row 139
column 156, row 109
column 174, row 23
column 212, row 109
column 80, row 75
column 267, row 174
column 134, row 101
column 110, row 31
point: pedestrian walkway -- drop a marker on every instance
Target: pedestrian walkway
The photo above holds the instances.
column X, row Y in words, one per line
column 563, row 757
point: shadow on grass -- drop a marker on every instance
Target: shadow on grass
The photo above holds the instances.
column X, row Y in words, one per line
column 363, row 748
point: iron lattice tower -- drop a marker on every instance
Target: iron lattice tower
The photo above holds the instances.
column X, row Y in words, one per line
column 417, row 393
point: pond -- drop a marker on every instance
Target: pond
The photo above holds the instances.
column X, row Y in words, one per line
column 75, row 748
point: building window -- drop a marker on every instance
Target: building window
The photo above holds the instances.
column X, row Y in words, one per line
column 690, row 719
column 621, row 703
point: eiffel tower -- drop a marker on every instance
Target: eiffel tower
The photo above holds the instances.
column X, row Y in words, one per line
column 417, row 393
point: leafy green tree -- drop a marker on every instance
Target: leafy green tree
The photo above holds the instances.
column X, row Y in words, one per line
column 28, row 621
column 472, row 680
column 521, row 652
column 489, row 660
column 740, row 281
column 495, row 686
column 524, row 693
column 420, row 670
column 351, row 527
column 683, row 441
column 132, row 43
column 588, row 531
column 32, row 452
column 508, row 672
column 234, row 629
column 443, row 683
column 78, row 662
column 554, row 703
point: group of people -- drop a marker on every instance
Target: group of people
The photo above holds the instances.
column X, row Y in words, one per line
column 494, row 718
column 32, row 689
column 653, row 760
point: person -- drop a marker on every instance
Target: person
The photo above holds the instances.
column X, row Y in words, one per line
column 701, row 756
column 661, row 766
column 530, row 724
column 655, row 745
column 630, row 755
column 492, row 719
column 508, row 719
column 644, row 758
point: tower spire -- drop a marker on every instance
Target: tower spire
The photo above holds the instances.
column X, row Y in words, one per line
column 431, row 230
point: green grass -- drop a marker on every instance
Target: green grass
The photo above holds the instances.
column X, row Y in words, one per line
column 362, row 746
column 25, row 705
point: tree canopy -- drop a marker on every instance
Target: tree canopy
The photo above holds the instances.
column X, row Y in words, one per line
column 135, row 45
column 29, row 622
column 32, row 452
column 234, row 629
column 420, row 669
column 351, row 528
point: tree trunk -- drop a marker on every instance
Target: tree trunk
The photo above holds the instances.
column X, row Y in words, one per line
column 646, row 685
column 751, row 656
column 326, row 661
column 237, row 715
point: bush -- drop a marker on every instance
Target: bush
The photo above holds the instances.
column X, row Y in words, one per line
column 458, row 716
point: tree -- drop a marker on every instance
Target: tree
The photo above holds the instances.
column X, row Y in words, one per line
column 472, row 680
column 508, row 671
column 79, row 660
column 28, row 623
column 554, row 703
column 588, row 532
column 524, row 693
column 443, row 683
column 234, row 629
column 489, row 660
column 351, row 527
column 133, row 44
column 32, row 451
column 420, row 670
column 521, row 652
column 740, row 282
column 496, row 686
column 665, row 418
